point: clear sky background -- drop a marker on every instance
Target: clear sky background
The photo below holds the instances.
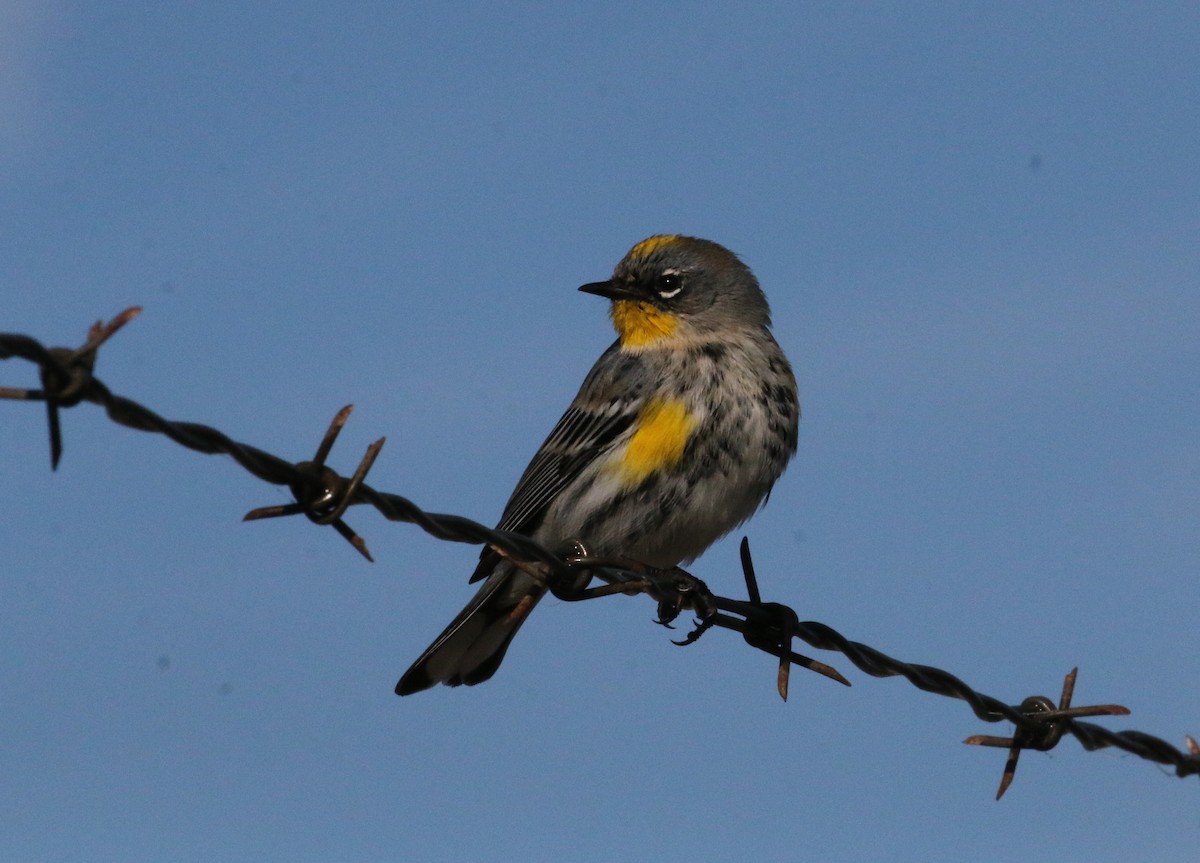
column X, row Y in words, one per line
column 977, row 224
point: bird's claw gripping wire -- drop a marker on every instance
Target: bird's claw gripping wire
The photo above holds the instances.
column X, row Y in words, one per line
column 323, row 495
column 1049, row 722
column 676, row 591
column 674, row 588
column 768, row 626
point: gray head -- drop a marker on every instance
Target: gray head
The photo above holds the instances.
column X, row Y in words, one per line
column 669, row 284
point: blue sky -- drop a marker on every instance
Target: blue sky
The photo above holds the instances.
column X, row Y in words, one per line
column 977, row 225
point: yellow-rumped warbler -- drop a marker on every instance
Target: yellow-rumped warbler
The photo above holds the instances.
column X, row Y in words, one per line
column 675, row 438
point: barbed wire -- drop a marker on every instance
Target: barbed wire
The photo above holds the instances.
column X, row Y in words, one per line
column 324, row 496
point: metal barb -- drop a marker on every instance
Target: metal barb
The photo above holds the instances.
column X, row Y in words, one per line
column 55, row 430
column 1046, row 727
column 100, row 332
column 748, row 571
column 66, row 374
column 322, row 495
column 771, row 627
column 346, row 495
column 331, row 434
column 64, row 383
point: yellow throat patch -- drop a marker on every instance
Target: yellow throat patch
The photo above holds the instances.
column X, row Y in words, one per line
column 660, row 435
column 639, row 323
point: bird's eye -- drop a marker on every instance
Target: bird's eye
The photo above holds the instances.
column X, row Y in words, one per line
column 668, row 285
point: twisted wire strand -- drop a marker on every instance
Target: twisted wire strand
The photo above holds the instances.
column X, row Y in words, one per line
column 767, row 626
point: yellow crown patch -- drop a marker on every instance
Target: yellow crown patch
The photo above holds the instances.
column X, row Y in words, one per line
column 650, row 245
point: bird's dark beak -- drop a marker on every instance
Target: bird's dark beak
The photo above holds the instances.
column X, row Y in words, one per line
column 611, row 290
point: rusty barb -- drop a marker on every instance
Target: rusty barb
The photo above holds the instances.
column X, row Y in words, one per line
column 66, row 374
column 323, row 496
column 1048, row 724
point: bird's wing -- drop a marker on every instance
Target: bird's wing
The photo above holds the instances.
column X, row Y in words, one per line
column 588, row 427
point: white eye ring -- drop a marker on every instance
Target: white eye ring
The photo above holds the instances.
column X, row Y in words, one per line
column 668, row 276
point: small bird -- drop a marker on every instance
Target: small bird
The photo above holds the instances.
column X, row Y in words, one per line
column 676, row 437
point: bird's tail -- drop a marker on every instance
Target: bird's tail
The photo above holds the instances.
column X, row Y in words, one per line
column 472, row 647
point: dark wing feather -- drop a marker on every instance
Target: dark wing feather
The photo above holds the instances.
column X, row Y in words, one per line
column 575, row 441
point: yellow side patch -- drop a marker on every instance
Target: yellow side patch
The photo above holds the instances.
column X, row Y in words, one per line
column 650, row 245
column 640, row 323
column 660, row 435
